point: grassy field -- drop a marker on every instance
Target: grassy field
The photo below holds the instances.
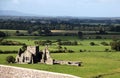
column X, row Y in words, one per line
column 10, row 48
column 13, row 32
column 82, row 44
column 94, row 64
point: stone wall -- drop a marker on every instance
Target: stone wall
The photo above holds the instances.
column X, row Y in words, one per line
column 17, row 72
column 74, row 63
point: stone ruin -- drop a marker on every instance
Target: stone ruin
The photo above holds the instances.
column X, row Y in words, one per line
column 32, row 55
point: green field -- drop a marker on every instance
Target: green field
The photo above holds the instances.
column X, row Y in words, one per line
column 98, row 63
column 13, row 32
column 82, row 44
column 95, row 61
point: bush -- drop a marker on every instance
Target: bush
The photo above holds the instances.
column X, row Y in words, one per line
column 2, row 34
column 70, row 51
column 105, row 43
column 68, row 43
column 6, row 42
column 7, row 52
column 62, row 51
column 1, row 39
column 92, row 43
column 115, row 45
column 58, row 40
column 81, row 50
column 58, row 51
column 43, row 43
column 98, row 37
column 107, row 50
column 10, row 59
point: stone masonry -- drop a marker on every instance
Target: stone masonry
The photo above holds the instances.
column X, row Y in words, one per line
column 17, row 72
column 32, row 55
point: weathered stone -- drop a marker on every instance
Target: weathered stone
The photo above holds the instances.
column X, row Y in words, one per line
column 67, row 62
column 32, row 55
column 48, row 59
column 17, row 72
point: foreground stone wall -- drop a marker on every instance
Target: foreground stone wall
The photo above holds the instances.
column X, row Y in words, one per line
column 17, row 72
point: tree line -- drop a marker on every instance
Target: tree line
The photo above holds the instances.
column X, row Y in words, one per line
column 57, row 24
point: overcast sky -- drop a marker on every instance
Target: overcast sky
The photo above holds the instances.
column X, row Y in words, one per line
column 91, row 8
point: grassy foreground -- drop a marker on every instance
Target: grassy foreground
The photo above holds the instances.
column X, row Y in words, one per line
column 105, row 64
column 95, row 63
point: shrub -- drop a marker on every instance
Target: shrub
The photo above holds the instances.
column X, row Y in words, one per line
column 98, row 37
column 70, row 51
column 62, row 51
column 47, row 42
column 92, row 43
column 10, row 59
column 58, row 51
column 1, row 39
column 115, row 45
column 106, row 50
column 2, row 34
column 58, row 40
column 81, row 50
column 7, row 52
column 104, row 43
column 24, row 47
column 68, row 43
column 6, row 42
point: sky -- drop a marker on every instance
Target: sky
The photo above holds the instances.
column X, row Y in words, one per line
column 77, row 8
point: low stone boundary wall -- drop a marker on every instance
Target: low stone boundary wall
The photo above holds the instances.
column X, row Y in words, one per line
column 18, row 72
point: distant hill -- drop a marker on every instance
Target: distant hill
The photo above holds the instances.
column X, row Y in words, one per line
column 13, row 13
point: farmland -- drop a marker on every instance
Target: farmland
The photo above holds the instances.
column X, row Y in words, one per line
column 96, row 62
column 71, row 39
column 82, row 44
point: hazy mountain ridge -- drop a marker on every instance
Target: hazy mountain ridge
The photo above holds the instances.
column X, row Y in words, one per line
column 13, row 13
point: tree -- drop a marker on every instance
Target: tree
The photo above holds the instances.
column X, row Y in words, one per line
column 115, row 45
column 2, row 34
column 92, row 43
column 102, row 31
column 1, row 39
column 80, row 35
column 65, row 49
column 17, row 32
column 30, row 30
column 10, row 59
column 39, row 31
column 24, row 47
column 47, row 31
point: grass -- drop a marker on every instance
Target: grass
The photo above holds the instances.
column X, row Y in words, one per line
column 98, row 63
column 29, row 40
column 95, row 63
column 10, row 48
column 88, row 48
column 13, row 32
column 44, row 37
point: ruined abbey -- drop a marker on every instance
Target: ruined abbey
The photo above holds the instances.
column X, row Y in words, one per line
column 32, row 54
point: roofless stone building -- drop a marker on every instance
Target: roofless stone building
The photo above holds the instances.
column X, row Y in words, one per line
column 32, row 55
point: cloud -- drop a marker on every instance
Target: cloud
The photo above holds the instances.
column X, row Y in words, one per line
column 16, row 1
